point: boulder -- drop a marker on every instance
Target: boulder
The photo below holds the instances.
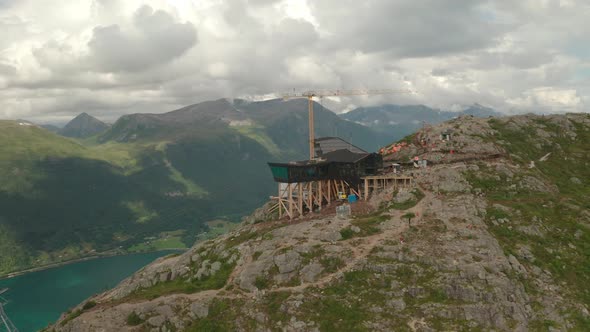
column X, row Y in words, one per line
column 287, row 262
column 311, row 272
column 200, row 310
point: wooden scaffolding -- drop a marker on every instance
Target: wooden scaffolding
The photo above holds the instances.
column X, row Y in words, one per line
column 297, row 199
column 375, row 183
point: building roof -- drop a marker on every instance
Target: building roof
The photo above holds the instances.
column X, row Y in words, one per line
column 326, row 145
column 343, row 156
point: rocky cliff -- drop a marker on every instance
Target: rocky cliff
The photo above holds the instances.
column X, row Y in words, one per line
column 500, row 240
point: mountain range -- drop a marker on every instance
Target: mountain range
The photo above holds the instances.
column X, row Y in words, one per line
column 149, row 181
column 153, row 181
column 402, row 120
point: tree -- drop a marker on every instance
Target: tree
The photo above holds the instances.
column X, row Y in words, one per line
column 409, row 216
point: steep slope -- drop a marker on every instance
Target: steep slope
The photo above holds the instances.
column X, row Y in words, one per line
column 496, row 243
column 401, row 120
column 82, row 126
column 61, row 200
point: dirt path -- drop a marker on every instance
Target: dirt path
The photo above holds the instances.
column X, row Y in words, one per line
column 359, row 247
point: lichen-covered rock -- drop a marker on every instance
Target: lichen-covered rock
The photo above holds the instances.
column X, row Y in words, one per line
column 287, row 262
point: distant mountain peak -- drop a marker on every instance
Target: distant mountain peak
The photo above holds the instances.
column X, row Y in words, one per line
column 82, row 126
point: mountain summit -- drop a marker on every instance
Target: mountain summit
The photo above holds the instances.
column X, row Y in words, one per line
column 82, row 126
column 494, row 236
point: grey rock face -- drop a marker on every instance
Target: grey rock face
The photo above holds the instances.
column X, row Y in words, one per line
column 311, row 272
column 403, row 196
column 200, row 310
column 156, row 321
column 287, row 262
column 331, row 236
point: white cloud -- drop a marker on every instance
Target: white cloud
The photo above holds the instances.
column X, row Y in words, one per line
column 113, row 57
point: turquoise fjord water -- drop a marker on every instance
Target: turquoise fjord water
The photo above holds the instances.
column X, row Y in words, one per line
column 38, row 298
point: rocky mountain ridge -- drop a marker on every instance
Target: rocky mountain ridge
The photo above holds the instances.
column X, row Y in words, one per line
column 402, row 120
column 495, row 236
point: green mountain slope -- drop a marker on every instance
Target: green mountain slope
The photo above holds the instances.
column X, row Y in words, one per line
column 149, row 179
column 60, row 200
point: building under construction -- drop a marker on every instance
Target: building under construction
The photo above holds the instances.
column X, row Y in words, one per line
column 339, row 169
column 335, row 169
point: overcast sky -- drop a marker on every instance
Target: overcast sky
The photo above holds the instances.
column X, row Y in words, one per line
column 112, row 57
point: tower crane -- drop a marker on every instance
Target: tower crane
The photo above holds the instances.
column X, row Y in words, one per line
column 5, row 323
column 332, row 93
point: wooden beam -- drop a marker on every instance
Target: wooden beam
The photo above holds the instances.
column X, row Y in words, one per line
column 280, row 202
column 310, row 196
column 300, row 198
column 321, row 197
column 290, row 198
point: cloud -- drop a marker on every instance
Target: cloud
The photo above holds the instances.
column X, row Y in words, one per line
column 114, row 57
column 156, row 39
column 408, row 28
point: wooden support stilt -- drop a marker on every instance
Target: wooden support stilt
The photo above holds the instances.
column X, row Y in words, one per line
column 310, row 196
column 280, row 205
column 320, row 197
column 290, row 197
column 300, row 198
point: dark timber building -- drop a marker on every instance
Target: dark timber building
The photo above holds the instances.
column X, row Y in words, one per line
column 339, row 170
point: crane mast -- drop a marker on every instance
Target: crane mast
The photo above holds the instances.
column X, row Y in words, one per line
column 332, row 93
column 5, row 324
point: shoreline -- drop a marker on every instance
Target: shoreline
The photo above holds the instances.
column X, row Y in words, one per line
column 81, row 259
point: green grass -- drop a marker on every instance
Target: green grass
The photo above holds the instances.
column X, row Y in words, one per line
column 133, row 319
column 257, row 133
column 418, row 194
column 183, row 286
column 345, row 305
column 73, row 315
column 554, row 212
column 369, row 225
column 222, row 317
column 332, row 264
column 346, row 233
column 262, row 282
column 272, row 305
column 166, row 240
column 89, row 305
column 142, row 213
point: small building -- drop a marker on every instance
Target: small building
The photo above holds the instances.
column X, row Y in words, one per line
column 342, row 164
column 338, row 169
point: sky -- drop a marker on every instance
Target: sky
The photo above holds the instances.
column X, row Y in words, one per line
column 115, row 57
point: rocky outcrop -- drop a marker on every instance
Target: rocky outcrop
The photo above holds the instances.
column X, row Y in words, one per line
column 488, row 249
